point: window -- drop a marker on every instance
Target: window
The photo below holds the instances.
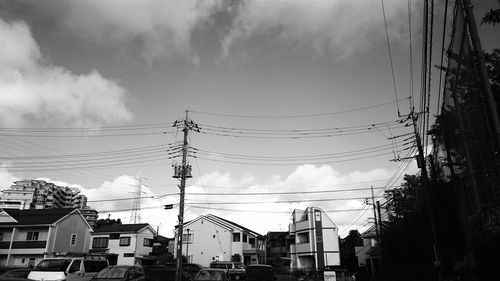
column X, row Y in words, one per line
column 148, row 242
column 75, row 266
column 187, row 237
column 114, row 236
column 100, row 242
column 73, row 240
column 128, row 255
column 318, row 215
column 32, row 236
column 251, row 241
column 125, row 241
column 245, row 236
column 236, row 237
column 1, row 236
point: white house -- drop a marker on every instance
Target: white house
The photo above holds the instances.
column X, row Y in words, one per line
column 27, row 236
column 129, row 244
column 211, row 238
column 316, row 240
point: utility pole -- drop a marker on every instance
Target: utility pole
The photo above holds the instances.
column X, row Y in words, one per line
column 483, row 72
column 183, row 172
column 425, row 183
column 187, row 246
column 375, row 215
column 381, row 233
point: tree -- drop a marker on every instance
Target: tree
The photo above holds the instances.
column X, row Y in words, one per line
column 107, row 221
column 347, row 250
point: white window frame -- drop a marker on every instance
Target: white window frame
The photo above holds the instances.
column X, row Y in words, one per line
column 73, row 239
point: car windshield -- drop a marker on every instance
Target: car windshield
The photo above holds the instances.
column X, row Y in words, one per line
column 239, row 266
column 209, row 275
column 53, row 265
column 112, row 273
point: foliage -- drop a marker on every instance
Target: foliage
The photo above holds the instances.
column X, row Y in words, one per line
column 347, row 250
column 107, row 221
column 491, row 17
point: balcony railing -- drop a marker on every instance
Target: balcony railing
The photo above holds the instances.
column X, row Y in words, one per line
column 24, row 244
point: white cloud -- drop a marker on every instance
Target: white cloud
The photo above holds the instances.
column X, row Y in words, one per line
column 33, row 90
column 6, row 177
column 266, row 215
column 170, row 29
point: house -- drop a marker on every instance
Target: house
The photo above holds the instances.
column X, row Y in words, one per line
column 211, row 238
column 278, row 249
column 125, row 244
column 368, row 255
column 27, row 236
column 316, row 240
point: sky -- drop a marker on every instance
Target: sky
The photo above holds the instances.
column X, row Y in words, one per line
column 295, row 102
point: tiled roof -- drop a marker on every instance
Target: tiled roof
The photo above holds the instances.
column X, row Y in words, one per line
column 37, row 216
column 120, row 228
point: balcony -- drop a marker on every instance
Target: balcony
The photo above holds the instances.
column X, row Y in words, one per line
column 23, row 244
column 303, row 248
column 302, row 225
column 291, row 228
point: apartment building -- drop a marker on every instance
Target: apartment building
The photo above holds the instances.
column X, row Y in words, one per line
column 316, row 239
column 39, row 194
column 211, row 238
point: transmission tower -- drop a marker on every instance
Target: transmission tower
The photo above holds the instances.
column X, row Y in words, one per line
column 135, row 217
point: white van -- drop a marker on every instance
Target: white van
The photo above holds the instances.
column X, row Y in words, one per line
column 67, row 268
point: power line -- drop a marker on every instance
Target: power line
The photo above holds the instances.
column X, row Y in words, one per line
column 390, row 58
column 294, row 116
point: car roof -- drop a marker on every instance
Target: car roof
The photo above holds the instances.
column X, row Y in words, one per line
column 213, row 269
column 258, row 265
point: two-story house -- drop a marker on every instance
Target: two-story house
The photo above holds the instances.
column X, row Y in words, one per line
column 126, row 244
column 27, row 236
column 211, row 238
column 316, row 240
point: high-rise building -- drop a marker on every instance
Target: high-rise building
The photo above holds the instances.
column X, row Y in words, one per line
column 39, row 194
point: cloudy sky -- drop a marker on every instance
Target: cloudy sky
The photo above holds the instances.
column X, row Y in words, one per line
column 295, row 102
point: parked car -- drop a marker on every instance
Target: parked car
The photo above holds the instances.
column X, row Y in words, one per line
column 17, row 273
column 120, row 273
column 260, row 272
column 191, row 268
column 67, row 268
column 164, row 274
column 212, row 274
column 235, row 270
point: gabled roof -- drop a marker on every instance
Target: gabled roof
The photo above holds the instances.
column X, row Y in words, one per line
column 238, row 226
column 37, row 216
column 122, row 228
column 224, row 223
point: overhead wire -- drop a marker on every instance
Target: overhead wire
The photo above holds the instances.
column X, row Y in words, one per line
column 390, row 58
column 294, row 116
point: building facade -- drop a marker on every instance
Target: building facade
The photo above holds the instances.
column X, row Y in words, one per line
column 27, row 236
column 39, row 194
column 316, row 240
column 211, row 238
column 129, row 244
